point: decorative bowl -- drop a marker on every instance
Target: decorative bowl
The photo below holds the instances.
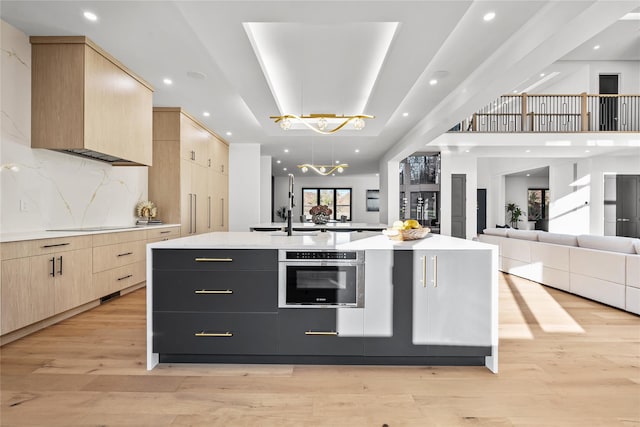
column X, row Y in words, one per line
column 403, row 235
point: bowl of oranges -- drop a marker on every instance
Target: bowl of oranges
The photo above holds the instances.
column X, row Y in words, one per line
column 409, row 229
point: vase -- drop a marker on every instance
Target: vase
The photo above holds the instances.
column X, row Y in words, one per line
column 320, row 218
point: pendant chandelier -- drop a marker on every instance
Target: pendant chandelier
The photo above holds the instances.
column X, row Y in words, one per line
column 320, row 122
column 323, row 170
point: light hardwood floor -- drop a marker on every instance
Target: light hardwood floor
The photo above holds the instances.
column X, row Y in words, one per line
column 564, row 361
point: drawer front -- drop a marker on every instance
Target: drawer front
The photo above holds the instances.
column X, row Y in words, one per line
column 215, row 259
column 103, row 239
column 157, row 235
column 113, row 256
column 211, row 333
column 26, row 248
column 215, row 291
column 313, row 332
column 116, row 279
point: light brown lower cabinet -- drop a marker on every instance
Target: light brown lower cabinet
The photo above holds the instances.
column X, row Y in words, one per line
column 47, row 280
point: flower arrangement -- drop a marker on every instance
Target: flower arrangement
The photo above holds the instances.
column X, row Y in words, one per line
column 320, row 214
column 321, row 209
column 146, row 209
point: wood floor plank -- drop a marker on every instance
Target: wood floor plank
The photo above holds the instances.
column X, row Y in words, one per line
column 564, row 361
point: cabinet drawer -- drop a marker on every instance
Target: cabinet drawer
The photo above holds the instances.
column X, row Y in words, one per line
column 220, row 291
column 210, row 333
column 215, row 259
column 103, row 239
column 314, row 332
column 156, row 235
column 116, row 279
column 27, row 248
column 113, row 256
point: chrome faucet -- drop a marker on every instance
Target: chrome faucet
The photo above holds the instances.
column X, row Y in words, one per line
column 291, row 204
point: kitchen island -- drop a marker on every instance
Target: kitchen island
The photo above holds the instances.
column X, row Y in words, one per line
column 216, row 298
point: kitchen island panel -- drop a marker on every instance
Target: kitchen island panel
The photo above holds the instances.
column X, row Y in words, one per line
column 214, row 333
column 220, row 291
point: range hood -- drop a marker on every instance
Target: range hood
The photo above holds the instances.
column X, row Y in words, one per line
column 77, row 109
column 94, row 155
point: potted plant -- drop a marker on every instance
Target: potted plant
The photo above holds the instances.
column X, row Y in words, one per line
column 515, row 213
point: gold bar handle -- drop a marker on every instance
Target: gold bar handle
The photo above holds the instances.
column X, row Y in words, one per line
column 214, row 259
column 216, row 292
column 435, row 271
column 213, row 334
column 323, row 333
column 424, row 271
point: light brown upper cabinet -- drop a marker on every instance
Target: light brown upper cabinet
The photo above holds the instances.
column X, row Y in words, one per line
column 85, row 102
column 186, row 181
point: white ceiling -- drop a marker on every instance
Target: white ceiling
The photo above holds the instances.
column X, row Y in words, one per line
column 263, row 58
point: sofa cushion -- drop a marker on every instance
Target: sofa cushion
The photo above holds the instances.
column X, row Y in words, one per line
column 623, row 245
column 495, row 231
column 558, row 239
column 523, row 234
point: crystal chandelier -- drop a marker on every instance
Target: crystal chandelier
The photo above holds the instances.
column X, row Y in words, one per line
column 320, row 122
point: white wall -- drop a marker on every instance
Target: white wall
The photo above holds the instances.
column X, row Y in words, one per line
column 244, row 186
column 358, row 183
column 54, row 190
column 265, row 189
column 584, row 77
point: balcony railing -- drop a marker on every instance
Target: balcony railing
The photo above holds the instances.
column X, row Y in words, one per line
column 556, row 113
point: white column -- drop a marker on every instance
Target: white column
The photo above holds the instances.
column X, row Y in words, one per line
column 244, row 186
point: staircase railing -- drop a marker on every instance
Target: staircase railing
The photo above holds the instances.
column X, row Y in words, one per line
column 556, row 113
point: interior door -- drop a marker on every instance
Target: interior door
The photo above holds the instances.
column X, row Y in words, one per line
column 458, row 205
column 628, row 205
column 608, row 84
column 481, row 210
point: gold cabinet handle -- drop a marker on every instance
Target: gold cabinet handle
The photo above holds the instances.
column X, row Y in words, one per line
column 214, row 259
column 213, row 334
column 323, row 333
column 215, row 292
column 424, row 271
column 435, row 271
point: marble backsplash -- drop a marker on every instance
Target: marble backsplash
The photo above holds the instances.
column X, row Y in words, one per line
column 43, row 189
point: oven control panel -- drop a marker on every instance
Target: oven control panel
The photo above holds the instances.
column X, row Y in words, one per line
column 331, row 255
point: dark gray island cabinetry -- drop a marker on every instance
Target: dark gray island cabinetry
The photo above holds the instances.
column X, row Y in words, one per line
column 218, row 298
column 215, row 301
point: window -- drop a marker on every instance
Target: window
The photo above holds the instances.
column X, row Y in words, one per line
column 338, row 199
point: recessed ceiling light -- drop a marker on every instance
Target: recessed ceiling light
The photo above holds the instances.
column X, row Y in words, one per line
column 286, row 150
column 167, row 81
column 284, row 169
column 433, row 82
column 528, row 174
column 278, row 161
column 405, row 114
column 333, row 174
column 337, row 161
column 229, row 133
column 91, row 16
column 596, row 47
column 515, row 91
column 466, row 151
column 206, row 114
column 527, row 151
column 587, row 151
column 489, row 16
column 357, row 150
column 541, row 74
column 196, row 75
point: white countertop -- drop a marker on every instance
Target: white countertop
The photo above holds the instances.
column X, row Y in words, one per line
column 320, row 240
column 48, row 234
column 327, row 226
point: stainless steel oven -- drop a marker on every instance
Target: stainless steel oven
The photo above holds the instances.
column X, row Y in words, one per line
column 320, row 278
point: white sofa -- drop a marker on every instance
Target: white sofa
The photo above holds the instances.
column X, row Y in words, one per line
column 601, row 268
